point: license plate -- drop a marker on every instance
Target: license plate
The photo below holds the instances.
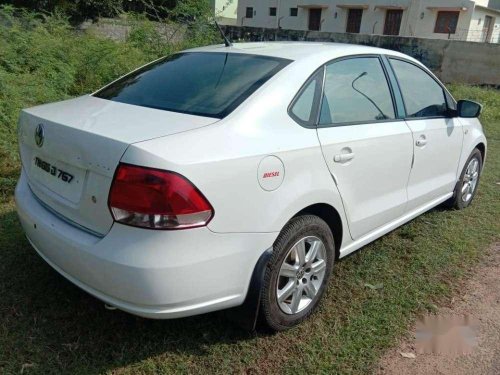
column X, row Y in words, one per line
column 61, row 178
column 54, row 171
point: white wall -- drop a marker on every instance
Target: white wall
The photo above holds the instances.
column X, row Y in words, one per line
column 479, row 62
column 484, row 3
column 261, row 18
column 424, row 27
column 226, row 11
column 417, row 20
column 477, row 24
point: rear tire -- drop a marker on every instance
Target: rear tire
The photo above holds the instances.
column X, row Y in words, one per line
column 466, row 187
column 297, row 273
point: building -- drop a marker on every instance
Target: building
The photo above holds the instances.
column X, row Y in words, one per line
column 441, row 19
column 226, row 11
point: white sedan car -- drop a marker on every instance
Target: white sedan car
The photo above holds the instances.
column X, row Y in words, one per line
column 234, row 176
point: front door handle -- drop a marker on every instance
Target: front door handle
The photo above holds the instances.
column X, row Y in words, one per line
column 342, row 158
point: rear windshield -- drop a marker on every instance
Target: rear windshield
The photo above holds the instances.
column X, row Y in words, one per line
column 200, row 83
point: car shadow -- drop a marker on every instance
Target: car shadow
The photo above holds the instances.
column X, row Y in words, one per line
column 66, row 329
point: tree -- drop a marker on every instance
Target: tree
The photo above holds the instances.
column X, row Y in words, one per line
column 78, row 10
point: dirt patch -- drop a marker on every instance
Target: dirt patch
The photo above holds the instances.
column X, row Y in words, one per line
column 480, row 302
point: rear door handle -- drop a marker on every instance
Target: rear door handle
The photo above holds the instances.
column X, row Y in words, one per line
column 342, row 158
column 421, row 142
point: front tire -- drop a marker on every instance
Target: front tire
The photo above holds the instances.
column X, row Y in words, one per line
column 297, row 273
column 466, row 188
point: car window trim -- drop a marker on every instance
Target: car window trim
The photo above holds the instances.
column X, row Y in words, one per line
column 236, row 103
column 322, row 94
column 394, row 87
column 446, row 94
column 393, row 81
column 317, row 98
column 349, row 123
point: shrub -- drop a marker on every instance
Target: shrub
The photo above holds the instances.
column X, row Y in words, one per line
column 43, row 59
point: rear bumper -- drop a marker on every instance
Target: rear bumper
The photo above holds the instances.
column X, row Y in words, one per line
column 154, row 274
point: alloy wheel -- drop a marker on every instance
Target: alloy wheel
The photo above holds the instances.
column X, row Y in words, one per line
column 470, row 180
column 301, row 275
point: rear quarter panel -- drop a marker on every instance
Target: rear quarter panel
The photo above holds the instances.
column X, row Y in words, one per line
column 223, row 162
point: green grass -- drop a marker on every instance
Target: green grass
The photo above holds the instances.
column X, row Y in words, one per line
column 49, row 326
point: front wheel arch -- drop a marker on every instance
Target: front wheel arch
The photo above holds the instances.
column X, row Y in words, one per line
column 482, row 149
column 454, row 202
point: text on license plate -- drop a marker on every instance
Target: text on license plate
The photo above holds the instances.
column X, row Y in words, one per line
column 53, row 170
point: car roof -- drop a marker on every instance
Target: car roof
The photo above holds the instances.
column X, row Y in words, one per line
column 298, row 50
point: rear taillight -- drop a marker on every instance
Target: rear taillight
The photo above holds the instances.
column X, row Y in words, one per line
column 157, row 199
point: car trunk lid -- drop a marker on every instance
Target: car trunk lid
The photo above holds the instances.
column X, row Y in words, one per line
column 70, row 151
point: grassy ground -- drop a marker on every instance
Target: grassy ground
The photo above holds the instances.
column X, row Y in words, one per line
column 49, row 326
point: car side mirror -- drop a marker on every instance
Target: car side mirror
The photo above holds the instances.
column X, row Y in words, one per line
column 468, row 109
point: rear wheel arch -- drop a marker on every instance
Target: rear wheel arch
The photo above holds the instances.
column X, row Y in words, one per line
column 291, row 294
column 331, row 216
column 247, row 314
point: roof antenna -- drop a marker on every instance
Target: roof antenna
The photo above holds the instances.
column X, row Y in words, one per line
column 227, row 42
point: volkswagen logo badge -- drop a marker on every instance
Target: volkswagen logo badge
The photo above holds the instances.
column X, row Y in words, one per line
column 39, row 135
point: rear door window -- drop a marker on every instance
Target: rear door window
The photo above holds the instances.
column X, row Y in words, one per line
column 356, row 91
column 199, row 83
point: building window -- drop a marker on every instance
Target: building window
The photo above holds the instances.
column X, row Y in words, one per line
column 272, row 11
column 294, row 12
column 446, row 22
column 249, row 12
column 354, row 21
column 315, row 19
column 392, row 23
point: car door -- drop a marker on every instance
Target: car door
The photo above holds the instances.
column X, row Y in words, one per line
column 437, row 136
column 367, row 148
